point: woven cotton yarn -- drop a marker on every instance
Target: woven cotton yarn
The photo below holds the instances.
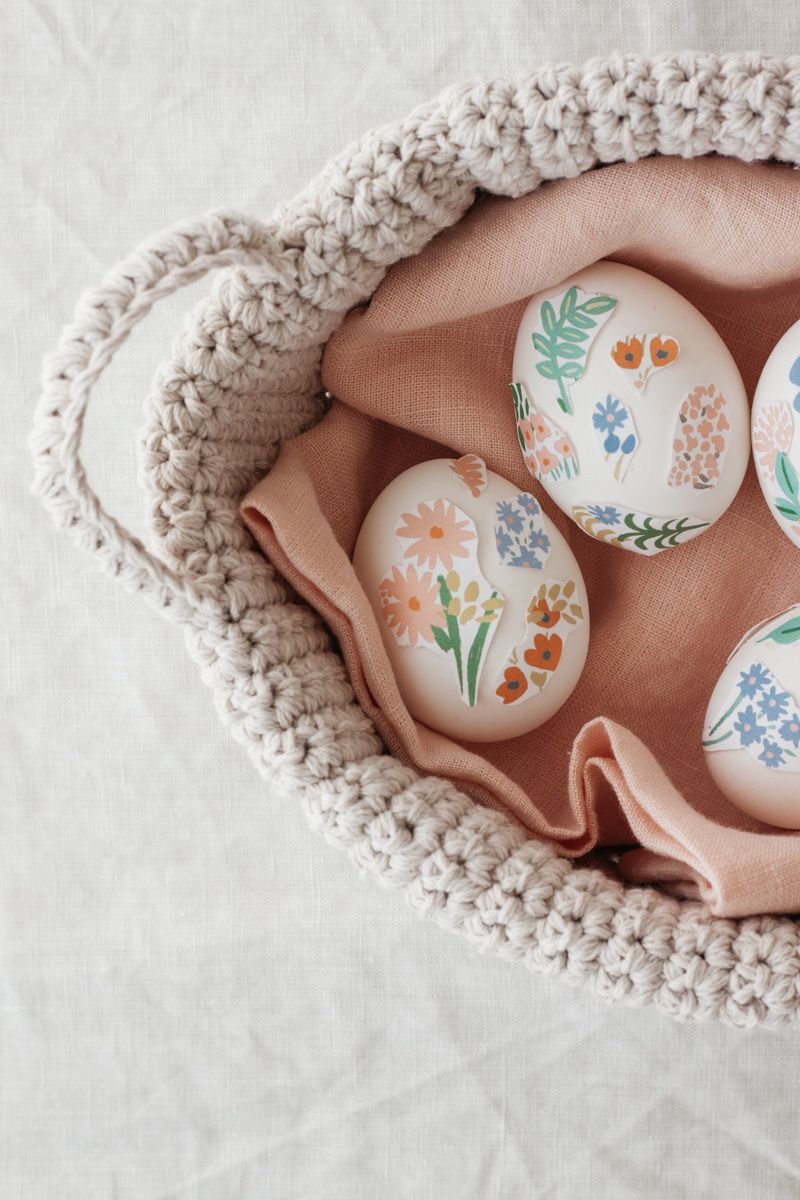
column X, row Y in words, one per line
column 244, row 376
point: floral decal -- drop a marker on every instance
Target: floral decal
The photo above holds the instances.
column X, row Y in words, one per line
column 634, row 530
column 773, row 434
column 536, row 658
column 470, row 621
column 471, row 470
column 411, row 605
column 616, row 432
column 554, row 602
column 761, row 717
column 514, row 685
column 700, row 442
column 438, row 532
column 548, row 452
column 519, row 533
column 568, row 324
column 430, row 604
column 644, row 353
column 628, row 353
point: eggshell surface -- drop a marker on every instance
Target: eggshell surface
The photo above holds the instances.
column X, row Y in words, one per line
column 630, row 409
column 776, row 433
column 479, row 600
column 751, row 732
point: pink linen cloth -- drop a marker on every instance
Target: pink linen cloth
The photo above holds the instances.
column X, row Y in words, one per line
column 423, row 371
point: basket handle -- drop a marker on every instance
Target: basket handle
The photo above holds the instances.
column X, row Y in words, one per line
column 103, row 320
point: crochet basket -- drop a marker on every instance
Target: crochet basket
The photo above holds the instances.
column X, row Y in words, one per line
column 244, row 376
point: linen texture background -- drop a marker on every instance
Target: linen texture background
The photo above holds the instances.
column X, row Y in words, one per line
column 199, row 998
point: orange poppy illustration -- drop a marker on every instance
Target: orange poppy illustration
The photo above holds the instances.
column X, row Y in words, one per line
column 663, row 351
column 628, row 354
column 545, row 653
column 514, row 685
column 541, row 613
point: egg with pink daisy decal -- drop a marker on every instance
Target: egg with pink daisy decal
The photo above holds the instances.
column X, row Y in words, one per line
column 479, row 602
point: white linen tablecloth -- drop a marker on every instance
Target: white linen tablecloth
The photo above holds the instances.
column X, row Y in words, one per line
column 199, row 998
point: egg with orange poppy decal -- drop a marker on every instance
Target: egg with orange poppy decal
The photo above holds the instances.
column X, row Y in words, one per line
column 480, row 616
column 629, row 408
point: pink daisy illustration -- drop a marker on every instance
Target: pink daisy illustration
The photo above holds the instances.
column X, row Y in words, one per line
column 410, row 604
column 438, row 534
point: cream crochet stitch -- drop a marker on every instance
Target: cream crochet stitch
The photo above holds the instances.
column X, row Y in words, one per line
column 245, row 375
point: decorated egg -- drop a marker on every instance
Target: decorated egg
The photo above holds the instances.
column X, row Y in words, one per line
column 479, row 600
column 751, row 733
column 630, row 409
column 776, row 433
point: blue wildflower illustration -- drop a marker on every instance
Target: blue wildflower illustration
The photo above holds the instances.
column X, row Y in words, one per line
column 528, row 504
column 605, row 513
column 508, row 514
column 609, row 414
column 774, row 704
column 753, row 680
column 538, row 540
column 503, row 541
column 770, row 725
column 614, row 422
column 747, row 726
column 527, row 557
column 771, row 753
column 519, row 534
column 790, row 729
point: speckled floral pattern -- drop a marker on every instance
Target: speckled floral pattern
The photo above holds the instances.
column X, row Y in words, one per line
column 700, row 443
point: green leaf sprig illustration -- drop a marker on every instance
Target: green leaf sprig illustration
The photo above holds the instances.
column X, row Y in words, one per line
column 463, row 614
column 786, row 633
column 566, row 339
column 634, row 531
column 787, row 505
column 656, row 533
column 522, row 410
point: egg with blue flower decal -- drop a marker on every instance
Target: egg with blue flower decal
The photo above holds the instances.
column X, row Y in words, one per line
column 478, row 600
column 776, row 433
column 751, row 731
column 629, row 408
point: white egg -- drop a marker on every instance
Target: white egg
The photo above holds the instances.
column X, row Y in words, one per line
column 751, row 733
column 479, row 600
column 776, row 432
column 630, row 408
